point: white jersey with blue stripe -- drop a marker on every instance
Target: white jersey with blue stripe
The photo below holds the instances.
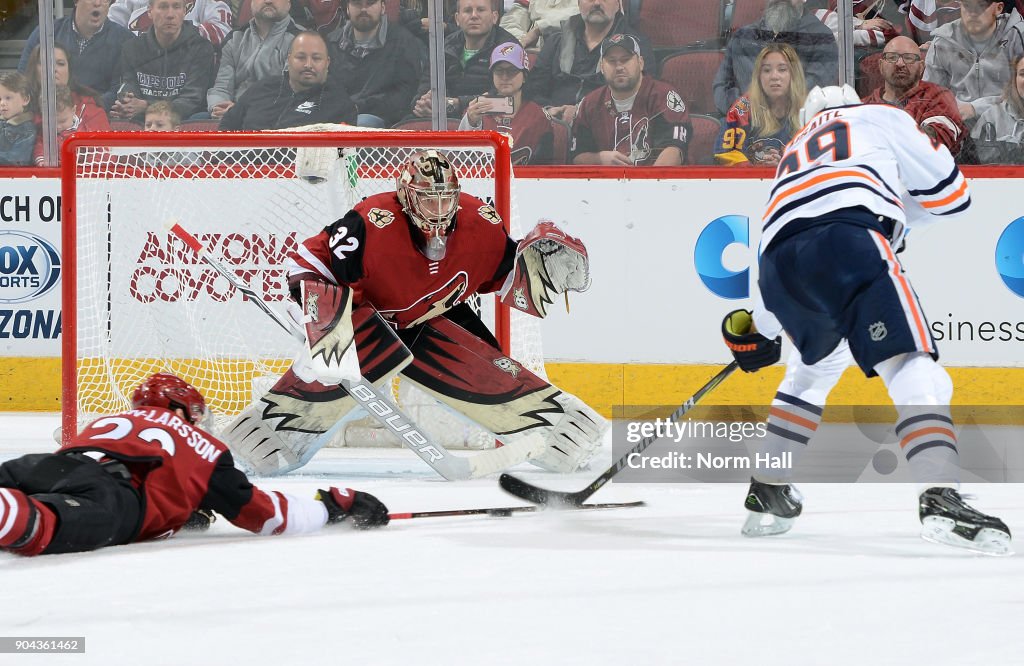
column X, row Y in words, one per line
column 870, row 156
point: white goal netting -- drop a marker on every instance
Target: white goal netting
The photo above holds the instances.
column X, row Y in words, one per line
column 142, row 302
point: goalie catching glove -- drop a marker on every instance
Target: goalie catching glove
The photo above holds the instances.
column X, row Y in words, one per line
column 751, row 350
column 365, row 510
column 329, row 355
column 548, row 261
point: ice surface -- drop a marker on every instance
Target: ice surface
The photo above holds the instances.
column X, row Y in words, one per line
column 671, row 583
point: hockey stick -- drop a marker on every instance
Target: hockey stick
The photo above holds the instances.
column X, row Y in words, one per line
column 537, row 495
column 451, row 467
column 507, row 511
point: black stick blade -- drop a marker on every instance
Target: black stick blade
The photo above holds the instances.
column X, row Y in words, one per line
column 531, row 493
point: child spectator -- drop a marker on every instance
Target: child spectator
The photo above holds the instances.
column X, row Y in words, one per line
column 161, row 117
column 69, row 121
column 17, row 131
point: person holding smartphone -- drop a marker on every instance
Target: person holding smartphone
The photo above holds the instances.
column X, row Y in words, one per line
column 505, row 110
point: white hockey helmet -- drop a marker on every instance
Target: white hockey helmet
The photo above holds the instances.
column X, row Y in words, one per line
column 828, row 97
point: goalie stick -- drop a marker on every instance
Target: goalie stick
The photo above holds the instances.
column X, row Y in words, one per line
column 531, row 493
column 369, row 397
column 507, row 511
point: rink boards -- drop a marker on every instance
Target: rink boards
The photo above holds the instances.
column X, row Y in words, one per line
column 669, row 257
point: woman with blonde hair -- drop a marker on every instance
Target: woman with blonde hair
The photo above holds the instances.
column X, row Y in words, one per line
column 761, row 122
column 999, row 132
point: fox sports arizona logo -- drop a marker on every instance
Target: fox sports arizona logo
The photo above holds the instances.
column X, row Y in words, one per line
column 29, row 266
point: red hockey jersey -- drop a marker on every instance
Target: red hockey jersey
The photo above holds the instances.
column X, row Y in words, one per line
column 178, row 468
column 373, row 250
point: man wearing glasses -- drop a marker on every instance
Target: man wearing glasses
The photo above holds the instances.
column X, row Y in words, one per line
column 971, row 55
column 932, row 106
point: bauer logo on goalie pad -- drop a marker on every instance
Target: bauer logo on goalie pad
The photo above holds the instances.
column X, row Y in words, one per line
column 507, row 365
column 380, row 218
column 489, row 214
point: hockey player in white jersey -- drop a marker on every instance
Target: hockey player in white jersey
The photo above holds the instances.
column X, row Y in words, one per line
column 846, row 189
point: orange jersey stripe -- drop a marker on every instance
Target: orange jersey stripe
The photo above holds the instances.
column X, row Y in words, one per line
column 780, row 413
column 907, row 291
column 936, row 430
column 814, row 181
column 947, row 200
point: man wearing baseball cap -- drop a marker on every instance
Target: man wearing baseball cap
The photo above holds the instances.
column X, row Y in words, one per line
column 504, row 109
column 634, row 120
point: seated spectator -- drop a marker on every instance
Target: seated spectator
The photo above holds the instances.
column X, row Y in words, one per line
column 970, row 56
column 930, row 105
column 212, row 18
column 171, row 61
column 305, row 95
column 634, row 120
column 467, row 56
column 870, row 28
column 68, row 122
column 530, row 130
column 86, row 112
column 568, row 67
column 530, row 21
column 924, row 16
column 415, row 19
column 161, row 117
column 379, row 63
column 761, row 123
column 783, row 21
column 96, row 41
column 65, row 68
column 256, row 52
column 17, row 131
column 999, row 132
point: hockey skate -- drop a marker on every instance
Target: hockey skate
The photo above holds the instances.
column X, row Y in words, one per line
column 947, row 519
column 772, row 508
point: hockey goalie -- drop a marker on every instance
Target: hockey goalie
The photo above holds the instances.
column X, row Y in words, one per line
column 383, row 290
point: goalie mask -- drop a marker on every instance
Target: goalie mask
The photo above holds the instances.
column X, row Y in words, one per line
column 172, row 392
column 428, row 190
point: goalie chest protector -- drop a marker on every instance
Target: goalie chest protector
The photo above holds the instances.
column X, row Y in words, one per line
column 406, row 287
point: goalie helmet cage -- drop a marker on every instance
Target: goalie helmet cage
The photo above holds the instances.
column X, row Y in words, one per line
column 136, row 301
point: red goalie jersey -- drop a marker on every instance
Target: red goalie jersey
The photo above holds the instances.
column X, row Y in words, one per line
column 178, row 468
column 373, row 250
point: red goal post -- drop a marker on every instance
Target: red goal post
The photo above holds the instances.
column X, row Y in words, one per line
column 135, row 302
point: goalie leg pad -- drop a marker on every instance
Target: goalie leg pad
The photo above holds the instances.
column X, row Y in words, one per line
column 475, row 379
column 282, row 430
column 574, row 439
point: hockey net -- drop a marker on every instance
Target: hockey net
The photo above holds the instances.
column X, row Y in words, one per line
column 137, row 301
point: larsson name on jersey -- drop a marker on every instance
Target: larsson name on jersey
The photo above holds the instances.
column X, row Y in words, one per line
column 194, row 438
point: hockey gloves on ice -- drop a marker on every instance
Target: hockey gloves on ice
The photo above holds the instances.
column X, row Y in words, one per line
column 200, row 520
column 364, row 509
column 751, row 350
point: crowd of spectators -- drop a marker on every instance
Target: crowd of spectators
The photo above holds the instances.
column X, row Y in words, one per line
column 571, row 81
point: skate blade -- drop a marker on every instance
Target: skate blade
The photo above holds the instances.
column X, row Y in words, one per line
column 937, row 529
column 765, row 524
